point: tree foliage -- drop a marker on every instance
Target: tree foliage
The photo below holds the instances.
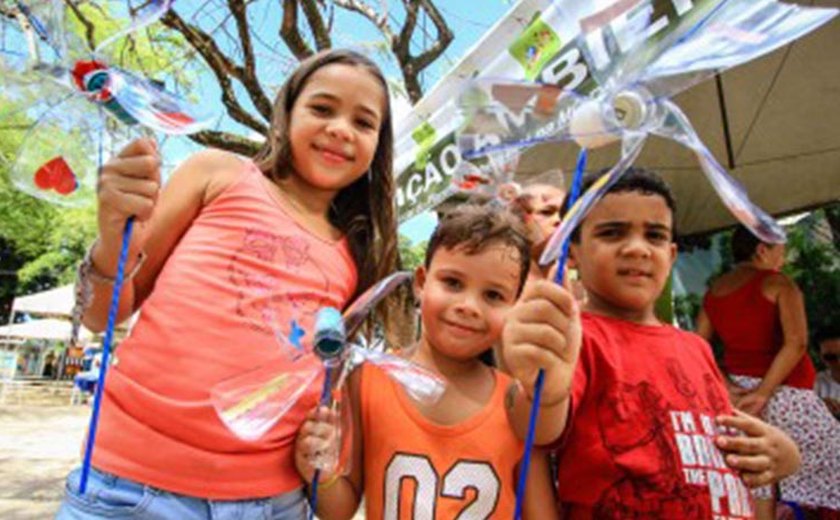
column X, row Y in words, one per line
column 412, row 255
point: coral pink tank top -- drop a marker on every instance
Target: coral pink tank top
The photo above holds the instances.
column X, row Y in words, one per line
column 748, row 324
column 242, row 269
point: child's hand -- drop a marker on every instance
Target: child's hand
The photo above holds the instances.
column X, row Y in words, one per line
column 128, row 185
column 317, row 437
column 543, row 331
column 763, row 455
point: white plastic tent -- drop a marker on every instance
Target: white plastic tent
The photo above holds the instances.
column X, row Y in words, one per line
column 56, row 302
column 46, row 329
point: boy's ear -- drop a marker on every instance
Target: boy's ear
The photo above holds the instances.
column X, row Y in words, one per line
column 571, row 261
column 761, row 251
column 419, row 282
column 673, row 254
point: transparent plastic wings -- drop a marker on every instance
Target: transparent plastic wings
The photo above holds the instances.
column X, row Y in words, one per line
column 251, row 403
column 636, row 76
column 74, row 107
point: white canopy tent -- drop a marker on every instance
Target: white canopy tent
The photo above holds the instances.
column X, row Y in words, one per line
column 56, row 302
column 47, row 329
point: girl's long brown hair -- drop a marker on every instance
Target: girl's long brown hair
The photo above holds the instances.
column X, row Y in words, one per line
column 364, row 211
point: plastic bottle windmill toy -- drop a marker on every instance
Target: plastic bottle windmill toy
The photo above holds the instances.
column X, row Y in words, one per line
column 57, row 83
column 637, row 72
column 251, row 403
column 58, row 87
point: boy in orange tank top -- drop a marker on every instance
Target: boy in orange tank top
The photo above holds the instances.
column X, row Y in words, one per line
column 458, row 456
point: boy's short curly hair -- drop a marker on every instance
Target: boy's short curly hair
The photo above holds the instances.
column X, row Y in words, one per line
column 474, row 227
column 638, row 180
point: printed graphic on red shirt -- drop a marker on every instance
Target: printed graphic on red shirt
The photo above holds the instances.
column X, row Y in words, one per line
column 663, row 448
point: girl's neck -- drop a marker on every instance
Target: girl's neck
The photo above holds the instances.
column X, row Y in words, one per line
column 305, row 198
column 310, row 206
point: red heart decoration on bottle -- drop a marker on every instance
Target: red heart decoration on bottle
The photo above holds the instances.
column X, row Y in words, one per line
column 56, row 174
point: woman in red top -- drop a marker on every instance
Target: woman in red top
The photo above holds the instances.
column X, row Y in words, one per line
column 759, row 315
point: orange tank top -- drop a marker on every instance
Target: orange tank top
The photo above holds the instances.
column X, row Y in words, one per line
column 419, row 470
column 243, row 260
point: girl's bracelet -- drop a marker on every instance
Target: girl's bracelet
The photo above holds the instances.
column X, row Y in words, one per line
column 86, row 274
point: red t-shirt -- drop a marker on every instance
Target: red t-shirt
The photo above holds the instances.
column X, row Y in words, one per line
column 640, row 437
column 749, row 326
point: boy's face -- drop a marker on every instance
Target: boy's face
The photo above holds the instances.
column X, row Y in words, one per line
column 625, row 254
column 464, row 298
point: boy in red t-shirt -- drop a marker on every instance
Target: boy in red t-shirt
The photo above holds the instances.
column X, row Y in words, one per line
column 633, row 406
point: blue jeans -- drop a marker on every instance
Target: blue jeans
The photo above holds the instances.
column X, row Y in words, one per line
column 109, row 496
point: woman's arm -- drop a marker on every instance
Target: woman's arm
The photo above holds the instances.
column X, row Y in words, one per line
column 795, row 343
column 704, row 326
column 128, row 186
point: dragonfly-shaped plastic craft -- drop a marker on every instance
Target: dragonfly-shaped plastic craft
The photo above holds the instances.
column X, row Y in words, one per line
column 58, row 85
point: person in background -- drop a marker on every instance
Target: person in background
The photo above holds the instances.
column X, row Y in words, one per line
column 759, row 315
column 827, row 385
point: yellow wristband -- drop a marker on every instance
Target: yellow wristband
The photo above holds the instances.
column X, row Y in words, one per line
column 330, row 481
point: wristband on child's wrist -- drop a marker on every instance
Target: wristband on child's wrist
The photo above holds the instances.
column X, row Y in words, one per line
column 330, row 482
column 543, row 402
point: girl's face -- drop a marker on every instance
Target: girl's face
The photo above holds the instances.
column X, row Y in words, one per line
column 334, row 126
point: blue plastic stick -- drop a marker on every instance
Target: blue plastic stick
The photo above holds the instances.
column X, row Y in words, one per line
column 106, row 351
column 538, row 385
column 325, row 400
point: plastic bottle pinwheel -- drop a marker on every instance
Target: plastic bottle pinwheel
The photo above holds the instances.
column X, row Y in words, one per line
column 59, row 86
column 492, row 176
column 637, row 75
column 251, row 403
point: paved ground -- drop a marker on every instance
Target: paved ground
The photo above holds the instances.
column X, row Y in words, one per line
column 38, row 447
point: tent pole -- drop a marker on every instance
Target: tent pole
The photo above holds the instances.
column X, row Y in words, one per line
column 727, row 137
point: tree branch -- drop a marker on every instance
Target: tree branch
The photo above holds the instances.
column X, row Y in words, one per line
column 316, row 23
column 226, row 141
column 221, row 66
column 89, row 29
column 380, row 20
column 290, row 33
column 400, row 44
column 248, row 74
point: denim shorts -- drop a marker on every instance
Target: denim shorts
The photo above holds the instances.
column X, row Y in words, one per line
column 109, row 496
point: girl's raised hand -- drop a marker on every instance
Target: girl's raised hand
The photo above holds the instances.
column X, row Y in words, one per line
column 128, row 186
